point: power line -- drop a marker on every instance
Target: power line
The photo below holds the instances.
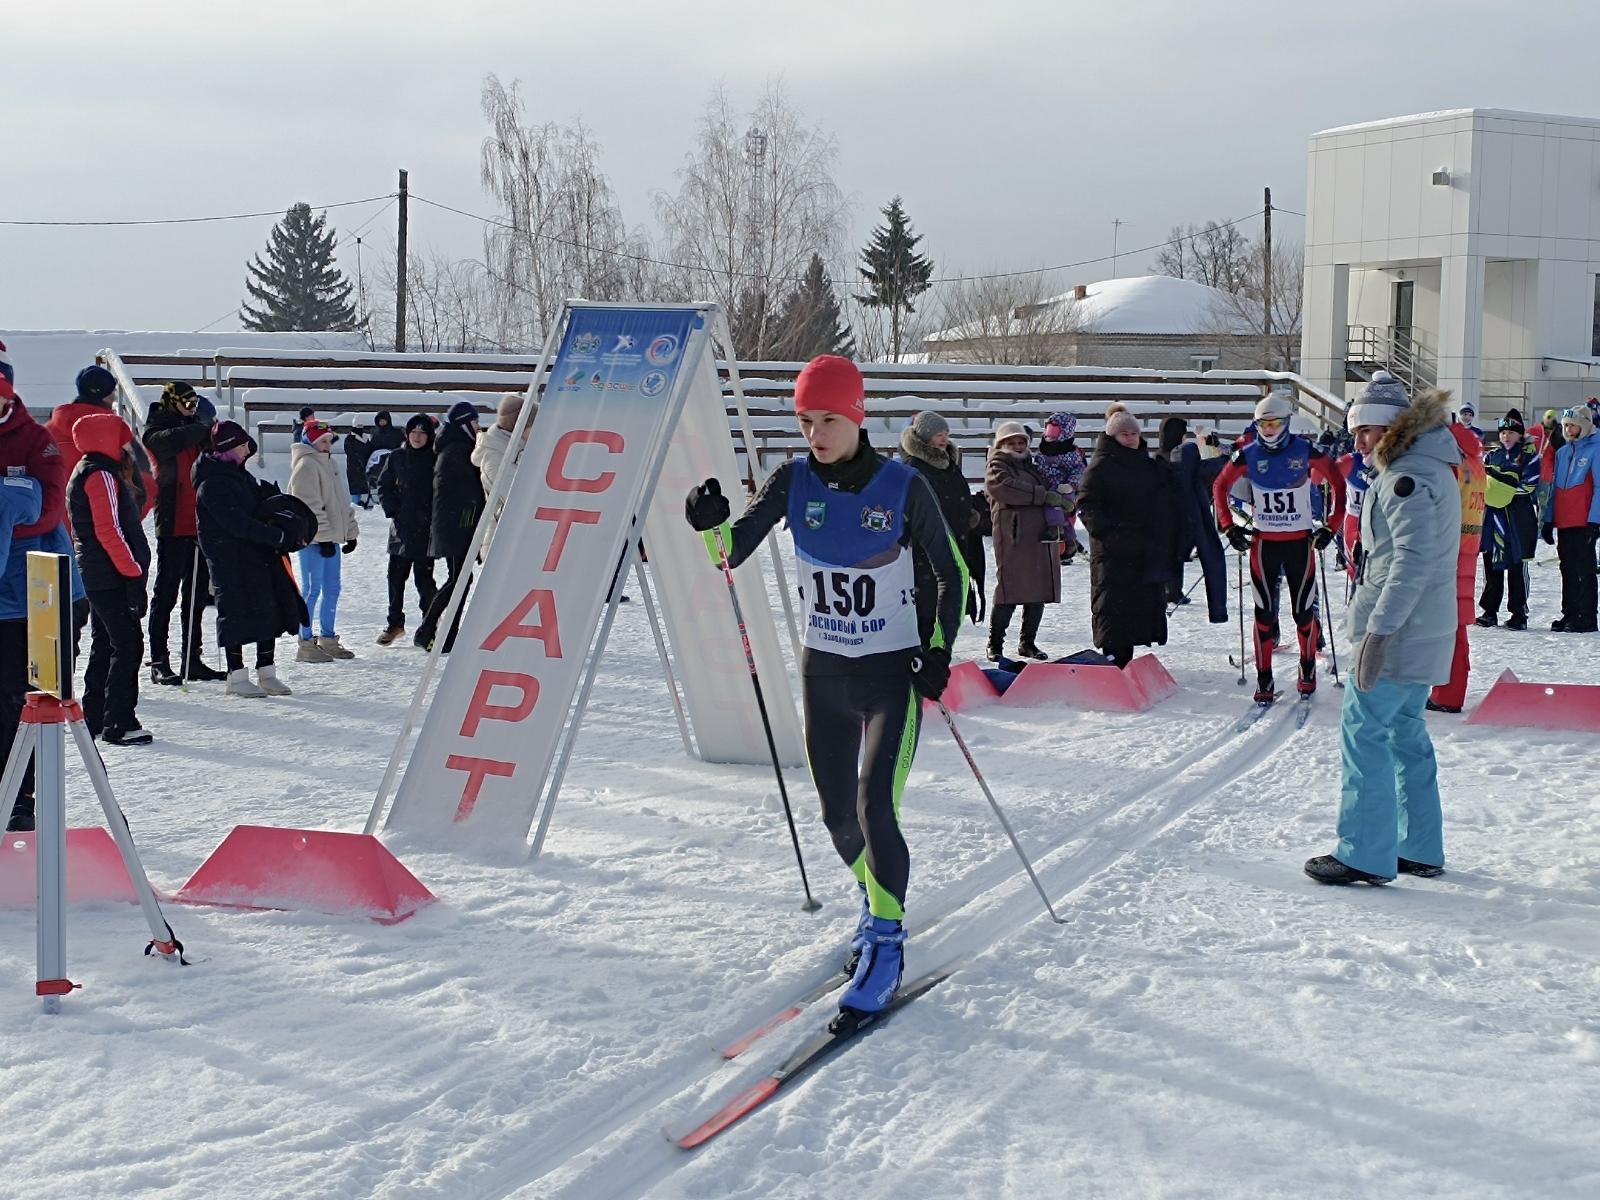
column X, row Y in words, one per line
column 277, row 212
column 641, row 258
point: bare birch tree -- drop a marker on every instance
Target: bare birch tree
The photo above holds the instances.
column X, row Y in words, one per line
column 450, row 305
column 1238, row 320
column 1214, row 254
column 563, row 235
column 756, row 199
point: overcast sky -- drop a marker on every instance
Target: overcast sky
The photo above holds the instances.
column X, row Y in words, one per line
column 1016, row 132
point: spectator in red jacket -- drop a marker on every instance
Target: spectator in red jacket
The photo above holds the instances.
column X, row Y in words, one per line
column 26, row 448
column 114, row 558
column 175, row 433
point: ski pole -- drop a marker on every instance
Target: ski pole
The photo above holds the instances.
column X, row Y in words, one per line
column 1239, row 555
column 811, row 905
column 1327, row 605
column 1004, row 824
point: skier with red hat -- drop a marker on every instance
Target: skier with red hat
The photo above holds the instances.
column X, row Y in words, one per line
column 859, row 521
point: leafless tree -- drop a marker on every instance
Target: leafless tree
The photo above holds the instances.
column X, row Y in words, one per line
column 563, row 235
column 1237, row 316
column 756, row 199
column 1214, row 254
column 1011, row 320
column 450, row 305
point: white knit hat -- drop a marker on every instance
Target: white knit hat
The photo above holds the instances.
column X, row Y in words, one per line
column 1380, row 403
column 1009, row 429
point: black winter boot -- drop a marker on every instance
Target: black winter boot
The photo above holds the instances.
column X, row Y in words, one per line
column 1325, row 868
column 161, row 672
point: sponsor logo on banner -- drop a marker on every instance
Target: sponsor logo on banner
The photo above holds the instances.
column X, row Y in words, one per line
column 624, row 342
column 586, row 343
column 653, row 383
column 573, row 380
column 663, row 349
column 816, row 513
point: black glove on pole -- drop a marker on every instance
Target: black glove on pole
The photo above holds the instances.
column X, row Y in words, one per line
column 704, row 502
column 930, row 671
column 1238, row 538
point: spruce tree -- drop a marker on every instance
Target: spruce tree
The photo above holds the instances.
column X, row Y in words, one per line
column 894, row 273
column 299, row 286
column 811, row 323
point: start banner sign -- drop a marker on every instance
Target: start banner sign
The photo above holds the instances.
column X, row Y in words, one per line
column 492, row 730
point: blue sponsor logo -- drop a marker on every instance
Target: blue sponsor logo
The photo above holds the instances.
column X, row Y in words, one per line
column 662, row 349
column 653, row 383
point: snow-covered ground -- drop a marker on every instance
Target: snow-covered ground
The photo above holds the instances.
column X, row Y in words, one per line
column 1207, row 1023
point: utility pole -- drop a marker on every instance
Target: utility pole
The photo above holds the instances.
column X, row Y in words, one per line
column 400, row 273
column 1116, row 228
column 1266, row 279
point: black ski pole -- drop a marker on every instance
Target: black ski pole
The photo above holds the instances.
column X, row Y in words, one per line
column 811, row 904
column 1327, row 608
column 1004, row 824
column 1239, row 555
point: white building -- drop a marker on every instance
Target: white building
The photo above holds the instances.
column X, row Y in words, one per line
column 1459, row 248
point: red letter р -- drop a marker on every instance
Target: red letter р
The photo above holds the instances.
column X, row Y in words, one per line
column 479, row 709
column 565, row 519
column 556, row 474
column 476, row 769
column 541, row 603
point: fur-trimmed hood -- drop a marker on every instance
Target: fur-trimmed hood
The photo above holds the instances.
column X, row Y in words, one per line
column 1422, row 428
column 914, row 447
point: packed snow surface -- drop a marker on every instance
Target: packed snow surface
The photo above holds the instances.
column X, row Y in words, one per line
column 1208, row 1022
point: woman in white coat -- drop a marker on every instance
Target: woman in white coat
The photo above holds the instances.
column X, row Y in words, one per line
column 315, row 479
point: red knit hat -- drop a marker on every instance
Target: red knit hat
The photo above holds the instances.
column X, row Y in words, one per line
column 829, row 383
column 313, row 430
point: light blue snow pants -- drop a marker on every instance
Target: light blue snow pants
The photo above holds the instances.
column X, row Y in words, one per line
column 319, row 580
column 1389, row 796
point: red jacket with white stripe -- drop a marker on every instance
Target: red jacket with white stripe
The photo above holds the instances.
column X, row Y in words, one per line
column 105, row 515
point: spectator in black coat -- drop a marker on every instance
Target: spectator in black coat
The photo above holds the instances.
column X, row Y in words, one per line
column 1129, row 504
column 1198, row 529
column 457, row 504
column 405, row 489
column 925, row 446
column 175, row 433
column 248, row 571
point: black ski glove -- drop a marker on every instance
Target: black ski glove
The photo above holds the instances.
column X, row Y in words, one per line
column 1238, row 537
column 1548, row 533
column 930, row 671
column 138, row 599
column 706, row 507
column 327, row 549
column 1322, row 538
column 350, row 546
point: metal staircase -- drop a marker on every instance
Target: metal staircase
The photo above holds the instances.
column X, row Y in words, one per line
column 1401, row 352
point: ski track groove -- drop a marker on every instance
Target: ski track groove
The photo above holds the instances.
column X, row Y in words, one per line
column 1241, row 751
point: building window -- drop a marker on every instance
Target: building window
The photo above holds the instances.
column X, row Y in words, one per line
column 1205, row 362
column 1594, row 342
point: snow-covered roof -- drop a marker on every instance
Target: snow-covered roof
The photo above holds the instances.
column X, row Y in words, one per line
column 1499, row 114
column 1148, row 305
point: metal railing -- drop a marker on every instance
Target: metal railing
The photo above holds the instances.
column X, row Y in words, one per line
column 1404, row 353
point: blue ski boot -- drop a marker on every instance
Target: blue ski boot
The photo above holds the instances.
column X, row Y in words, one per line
column 877, row 976
column 859, row 942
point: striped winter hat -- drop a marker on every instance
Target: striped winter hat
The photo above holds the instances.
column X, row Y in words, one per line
column 1380, row 402
column 8, row 376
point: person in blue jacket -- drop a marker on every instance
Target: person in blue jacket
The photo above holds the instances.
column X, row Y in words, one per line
column 1573, row 523
column 1511, row 527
